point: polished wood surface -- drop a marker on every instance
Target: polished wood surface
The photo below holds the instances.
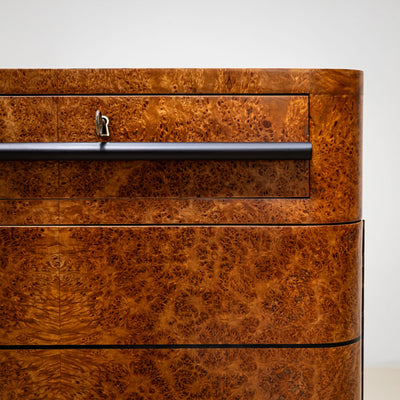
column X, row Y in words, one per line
column 28, row 119
column 29, row 212
column 157, row 285
column 29, row 286
column 179, row 211
column 184, row 179
column 30, row 374
column 181, row 374
column 336, row 165
column 155, row 118
column 27, row 179
column 213, row 374
column 168, row 80
column 186, row 118
column 149, row 179
column 154, row 211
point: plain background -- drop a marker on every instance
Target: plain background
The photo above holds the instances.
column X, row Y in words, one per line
column 353, row 34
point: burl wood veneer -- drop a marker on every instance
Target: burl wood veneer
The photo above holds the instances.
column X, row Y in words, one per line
column 29, row 286
column 187, row 118
column 30, row 374
column 164, row 285
column 184, row 179
column 28, row 119
column 141, row 274
column 216, row 374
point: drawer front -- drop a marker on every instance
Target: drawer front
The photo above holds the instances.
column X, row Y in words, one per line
column 155, row 191
column 186, row 118
column 209, row 374
column 153, row 179
column 156, row 118
column 320, row 106
column 210, row 284
column 213, row 374
column 181, row 284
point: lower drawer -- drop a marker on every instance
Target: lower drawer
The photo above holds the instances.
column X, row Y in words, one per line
column 291, row 374
column 180, row 284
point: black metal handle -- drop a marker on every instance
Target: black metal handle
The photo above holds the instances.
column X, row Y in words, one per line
column 155, row 151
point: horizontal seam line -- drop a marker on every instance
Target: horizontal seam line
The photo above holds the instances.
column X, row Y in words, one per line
column 181, row 346
column 166, row 225
column 167, row 94
column 154, row 198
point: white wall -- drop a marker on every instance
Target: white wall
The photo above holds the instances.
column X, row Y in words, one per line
column 359, row 34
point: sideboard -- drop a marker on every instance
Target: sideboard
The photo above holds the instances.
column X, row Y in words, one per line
column 223, row 259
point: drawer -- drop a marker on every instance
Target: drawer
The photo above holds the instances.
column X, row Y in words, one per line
column 318, row 106
column 155, row 191
column 211, row 374
column 181, row 284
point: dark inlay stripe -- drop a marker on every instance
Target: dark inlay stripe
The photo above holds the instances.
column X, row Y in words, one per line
column 179, row 346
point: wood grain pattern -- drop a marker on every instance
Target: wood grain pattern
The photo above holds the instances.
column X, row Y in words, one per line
column 184, row 211
column 210, row 284
column 184, row 179
column 169, row 80
column 335, row 123
column 28, row 119
column 30, row 374
column 336, row 165
column 133, row 179
column 196, row 81
column 29, row 286
column 29, row 212
column 186, row 118
column 29, row 179
column 336, row 82
column 29, row 324
column 292, row 374
column 28, row 81
column 29, row 250
column 154, row 211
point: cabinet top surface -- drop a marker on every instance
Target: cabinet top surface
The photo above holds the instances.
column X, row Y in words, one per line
column 180, row 81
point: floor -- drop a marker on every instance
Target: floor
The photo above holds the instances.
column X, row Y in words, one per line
column 382, row 384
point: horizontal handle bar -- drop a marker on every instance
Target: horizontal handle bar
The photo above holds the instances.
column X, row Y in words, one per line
column 154, row 151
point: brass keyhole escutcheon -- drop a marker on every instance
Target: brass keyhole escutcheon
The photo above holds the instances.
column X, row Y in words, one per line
column 101, row 125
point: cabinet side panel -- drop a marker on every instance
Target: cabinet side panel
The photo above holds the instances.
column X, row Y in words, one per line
column 335, row 168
